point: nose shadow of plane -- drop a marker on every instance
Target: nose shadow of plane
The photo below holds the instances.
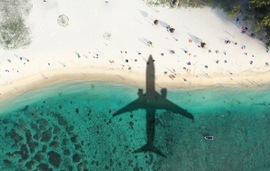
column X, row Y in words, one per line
column 152, row 101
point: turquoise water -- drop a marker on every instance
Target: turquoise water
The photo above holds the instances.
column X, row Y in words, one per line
column 69, row 126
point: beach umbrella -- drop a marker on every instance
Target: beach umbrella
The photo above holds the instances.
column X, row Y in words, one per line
column 156, row 22
column 172, row 30
column 203, row 45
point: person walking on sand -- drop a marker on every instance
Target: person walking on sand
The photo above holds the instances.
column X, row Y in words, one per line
column 168, row 28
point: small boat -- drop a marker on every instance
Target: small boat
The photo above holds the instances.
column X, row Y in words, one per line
column 209, row 137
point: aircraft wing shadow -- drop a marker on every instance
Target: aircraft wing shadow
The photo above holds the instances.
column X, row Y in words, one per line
column 171, row 107
column 135, row 105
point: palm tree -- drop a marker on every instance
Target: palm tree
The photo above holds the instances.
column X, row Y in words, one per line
column 259, row 3
column 266, row 20
column 235, row 10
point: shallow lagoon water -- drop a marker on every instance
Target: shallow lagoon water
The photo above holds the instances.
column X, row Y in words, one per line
column 69, row 126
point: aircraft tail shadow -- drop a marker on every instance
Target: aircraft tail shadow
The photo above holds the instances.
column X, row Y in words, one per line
column 149, row 148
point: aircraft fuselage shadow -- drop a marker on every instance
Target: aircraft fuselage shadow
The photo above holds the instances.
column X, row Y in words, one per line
column 152, row 101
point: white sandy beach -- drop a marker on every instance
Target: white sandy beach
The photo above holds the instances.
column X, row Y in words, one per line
column 130, row 24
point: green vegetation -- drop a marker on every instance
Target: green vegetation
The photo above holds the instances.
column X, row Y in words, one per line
column 261, row 12
column 14, row 34
column 13, row 31
column 226, row 5
column 246, row 19
column 235, row 10
column 260, row 3
column 257, row 12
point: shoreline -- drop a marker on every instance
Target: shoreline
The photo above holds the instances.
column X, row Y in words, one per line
column 246, row 79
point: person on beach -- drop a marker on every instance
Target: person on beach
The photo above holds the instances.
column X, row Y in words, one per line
column 237, row 20
column 168, row 28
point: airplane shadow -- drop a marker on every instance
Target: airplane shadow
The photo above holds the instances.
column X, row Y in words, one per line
column 152, row 101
